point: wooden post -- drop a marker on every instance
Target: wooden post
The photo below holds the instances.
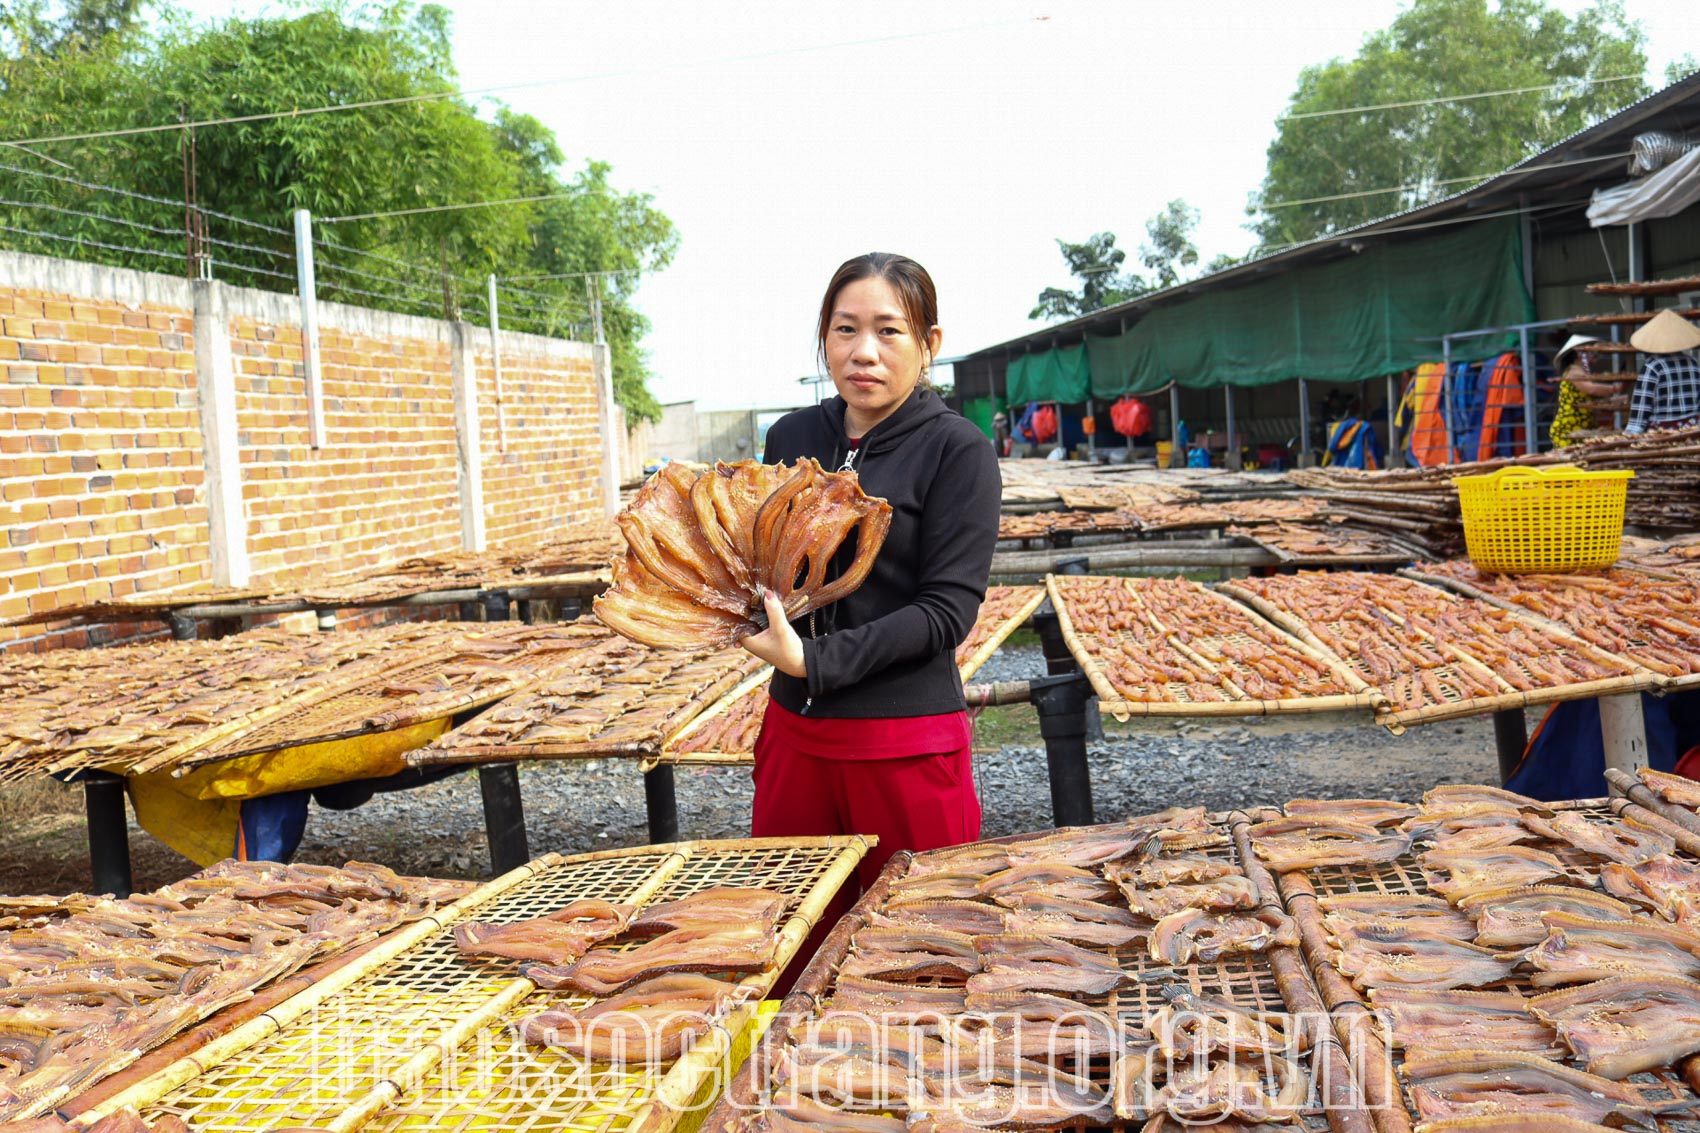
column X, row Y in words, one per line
column 221, row 456
column 1395, row 451
column 1232, row 459
column 1177, row 454
column 469, row 458
column 1624, row 730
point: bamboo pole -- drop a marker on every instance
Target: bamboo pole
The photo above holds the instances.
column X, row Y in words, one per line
column 1175, row 554
column 1632, row 788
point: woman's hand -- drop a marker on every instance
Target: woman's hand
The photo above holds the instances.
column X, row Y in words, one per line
column 778, row 644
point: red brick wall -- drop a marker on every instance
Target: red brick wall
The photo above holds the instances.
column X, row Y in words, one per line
column 100, row 456
column 101, row 483
column 383, row 487
column 543, row 470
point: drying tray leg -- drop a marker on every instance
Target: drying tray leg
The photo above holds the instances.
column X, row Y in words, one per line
column 662, row 803
column 1061, row 704
column 1510, row 738
column 1624, row 730
column 504, row 816
column 109, row 833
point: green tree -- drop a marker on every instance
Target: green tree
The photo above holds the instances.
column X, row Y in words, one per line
column 1167, row 254
column 415, row 154
column 1410, row 155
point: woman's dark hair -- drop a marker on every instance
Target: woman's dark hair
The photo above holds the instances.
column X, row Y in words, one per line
column 914, row 287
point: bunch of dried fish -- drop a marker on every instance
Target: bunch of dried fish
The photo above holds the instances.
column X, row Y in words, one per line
column 1157, row 639
column 704, row 543
column 1509, row 1084
column 1043, row 524
column 1306, row 841
column 1302, row 509
column 1292, row 541
column 1425, row 648
column 88, row 994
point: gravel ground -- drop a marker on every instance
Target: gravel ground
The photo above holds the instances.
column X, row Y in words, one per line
column 1141, row 766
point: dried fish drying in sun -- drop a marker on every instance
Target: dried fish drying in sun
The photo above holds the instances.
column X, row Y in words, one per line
column 1160, row 640
column 1626, row 1024
column 1667, row 885
column 703, row 543
column 1647, row 618
column 1507, row 1084
column 105, row 985
column 1309, row 841
column 1675, row 789
column 1434, row 1021
column 1426, row 649
column 1620, row 839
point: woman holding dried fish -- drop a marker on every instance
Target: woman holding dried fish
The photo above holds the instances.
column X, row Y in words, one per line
column 867, row 731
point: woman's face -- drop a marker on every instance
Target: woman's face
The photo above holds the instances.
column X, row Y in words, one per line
column 872, row 353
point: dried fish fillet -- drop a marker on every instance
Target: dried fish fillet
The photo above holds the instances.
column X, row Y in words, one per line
column 1369, row 812
column 1169, row 869
column 1194, row 934
column 1675, row 789
column 1512, row 1084
column 1480, row 871
column 1399, row 908
column 1048, row 878
column 1311, row 841
column 1627, row 1024
column 1433, row 1021
column 650, row 1023
column 1580, row 948
column 1013, row 962
column 1666, row 884
column 746, row 947
column 1222, row 895
column 1511, row 918
column 1622, row 840
column 1379, row 954
column 559, row 938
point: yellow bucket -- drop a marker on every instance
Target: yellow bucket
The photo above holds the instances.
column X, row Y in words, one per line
column 1165, row 453
column 1543, row 519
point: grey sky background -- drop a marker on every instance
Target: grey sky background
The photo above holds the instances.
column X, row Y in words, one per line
column 784, row 137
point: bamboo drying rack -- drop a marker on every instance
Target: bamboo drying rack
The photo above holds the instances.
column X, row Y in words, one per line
column 1397, row 720
column 414, row 1035
column 1114, row 701
column 689, row 709
column 1276, row 981
column 1371, row 1057
column 1661, row 680
column 756, row 685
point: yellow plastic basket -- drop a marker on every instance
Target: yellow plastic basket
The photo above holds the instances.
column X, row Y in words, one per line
column 1543, row 519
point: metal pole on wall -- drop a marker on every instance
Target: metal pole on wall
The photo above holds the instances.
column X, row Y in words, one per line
column 1092, row 437
column 496, row 365
column 1177, row 455
column 1303, row 455
column 1531, row 423
column 1395, row 452
column 1446, row 394
column 1232, row 457
column 307, row 290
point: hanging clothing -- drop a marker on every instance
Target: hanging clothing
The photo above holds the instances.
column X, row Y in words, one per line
column 1353, row 444
column 1425, row 438
column 1501, row 433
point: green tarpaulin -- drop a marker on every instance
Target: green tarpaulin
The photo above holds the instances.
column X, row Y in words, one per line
column 1053, row 375
column 1346, row 320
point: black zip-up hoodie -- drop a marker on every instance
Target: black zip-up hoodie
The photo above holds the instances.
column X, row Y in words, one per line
column 888, row 649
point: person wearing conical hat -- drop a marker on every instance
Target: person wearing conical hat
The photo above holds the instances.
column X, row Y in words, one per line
column 1667, row 395
column 1574, row 367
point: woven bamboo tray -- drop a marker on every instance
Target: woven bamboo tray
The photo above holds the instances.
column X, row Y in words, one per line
column 1112, row 700
column 1393, row 556
column 1276, row 981
column 1660, row 680
column 995, row 630
column 642, row 741
column 1370, row 1057
column 416, row 1036
column 1459, row 702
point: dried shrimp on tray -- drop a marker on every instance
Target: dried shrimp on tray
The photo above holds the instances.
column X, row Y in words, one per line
column 1430, row 654
column 1160, row 646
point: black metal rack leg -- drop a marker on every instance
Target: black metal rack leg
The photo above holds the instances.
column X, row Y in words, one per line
column 1510, row 737
column 504, row 816
column 662, row 803
column 109, row 833
column 1062, row 722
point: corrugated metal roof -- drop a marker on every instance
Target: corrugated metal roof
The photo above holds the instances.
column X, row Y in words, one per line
column 1568, row 165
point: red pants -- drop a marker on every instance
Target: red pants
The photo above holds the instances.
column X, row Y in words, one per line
column 919, row 802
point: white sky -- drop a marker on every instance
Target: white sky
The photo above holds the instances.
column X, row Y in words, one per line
column 784, row 136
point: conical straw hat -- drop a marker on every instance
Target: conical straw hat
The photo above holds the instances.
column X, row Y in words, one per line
column 1570, row 344
column 1667, row 333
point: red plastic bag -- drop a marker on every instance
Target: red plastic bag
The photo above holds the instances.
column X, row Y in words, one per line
column 1045, row 424
column 1131, row 417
